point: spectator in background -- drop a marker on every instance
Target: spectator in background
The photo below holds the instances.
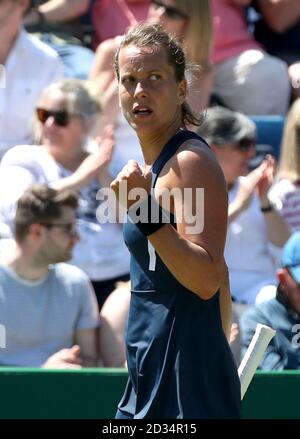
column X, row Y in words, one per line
column 29, row 66
column 281, row 313
column 255, row 230
column 48, row 308
column 58, row 25
column 67, row 113
column 245, row 75
column 113, row 17
column 252, row 222
column 191, row 23
column 278, row 30
column 285, row 193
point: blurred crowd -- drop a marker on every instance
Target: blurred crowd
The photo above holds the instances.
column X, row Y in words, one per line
column 62, row 133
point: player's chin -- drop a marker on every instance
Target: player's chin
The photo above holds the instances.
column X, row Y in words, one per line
column 142, row 125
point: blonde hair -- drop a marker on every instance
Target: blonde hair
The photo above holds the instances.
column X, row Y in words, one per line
column 199, row 36
column 289, row 163
column 81, row 98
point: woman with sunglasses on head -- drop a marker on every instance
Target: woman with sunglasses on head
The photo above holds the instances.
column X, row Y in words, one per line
column 191, row 23
column 67, row 114
column 180, row 364
column 255, row 231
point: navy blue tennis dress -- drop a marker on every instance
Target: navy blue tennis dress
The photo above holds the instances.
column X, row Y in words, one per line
column 180, row 364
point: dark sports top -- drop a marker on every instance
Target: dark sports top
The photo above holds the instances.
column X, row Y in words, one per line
column 275, row 42
column 180, row 364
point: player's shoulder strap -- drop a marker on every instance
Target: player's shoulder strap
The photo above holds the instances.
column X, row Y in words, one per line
column 170, row 149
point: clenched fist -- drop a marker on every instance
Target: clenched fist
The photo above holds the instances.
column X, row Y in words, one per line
column 132, row 184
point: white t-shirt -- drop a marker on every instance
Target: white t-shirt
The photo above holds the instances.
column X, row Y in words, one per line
column 40, row 318
column 285, row 195
column 30, row 67
column 101, row 251
column 247, row 251
column 127, row 146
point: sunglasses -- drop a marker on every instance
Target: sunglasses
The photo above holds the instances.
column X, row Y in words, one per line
column 170, row 11
column 61, row 117
column 245, row 144
column 70, row 228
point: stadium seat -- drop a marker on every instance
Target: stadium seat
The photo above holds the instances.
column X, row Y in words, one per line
column 269, row 130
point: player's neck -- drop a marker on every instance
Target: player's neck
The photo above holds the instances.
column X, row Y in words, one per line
column 153, row 143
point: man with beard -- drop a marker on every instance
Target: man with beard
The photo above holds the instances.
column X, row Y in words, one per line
column 48, row 308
